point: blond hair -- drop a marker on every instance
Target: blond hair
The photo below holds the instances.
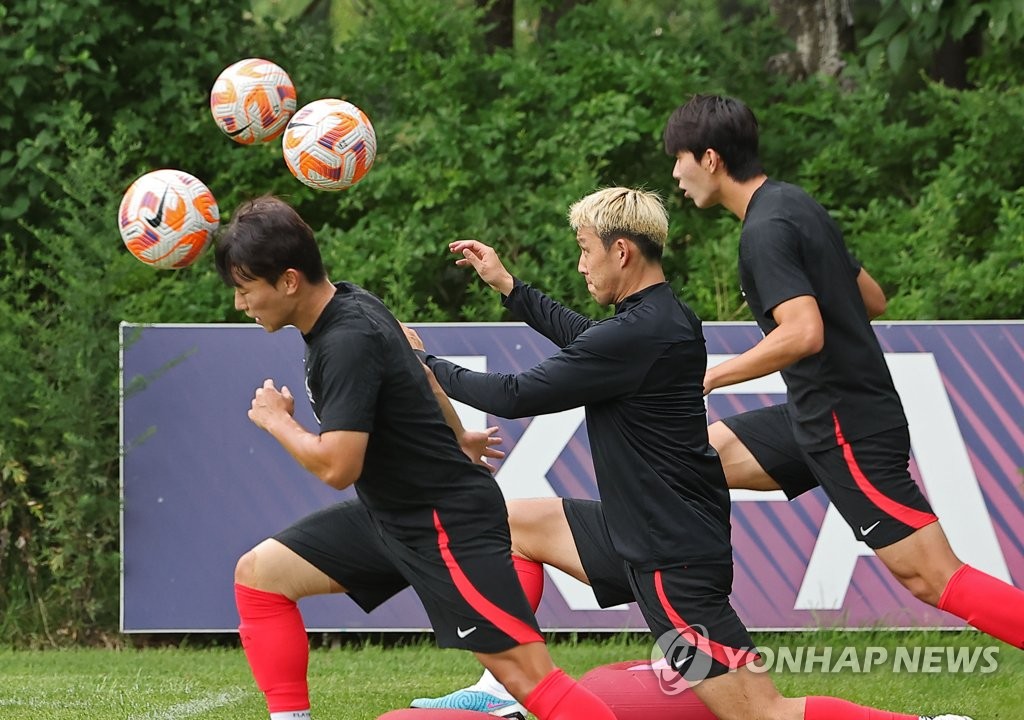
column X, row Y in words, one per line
column 637, row 215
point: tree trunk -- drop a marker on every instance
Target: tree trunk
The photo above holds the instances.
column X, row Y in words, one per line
column 501, row 21
column 551, row 11
column 822, row 31
column 949, row 64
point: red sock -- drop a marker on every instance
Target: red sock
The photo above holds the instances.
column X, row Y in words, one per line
column 987, row 603
column 531, row 577
column 276, row 646
column 829, row 708
column 559, row 697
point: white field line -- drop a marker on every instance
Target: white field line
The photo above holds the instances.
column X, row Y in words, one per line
column 192, row 708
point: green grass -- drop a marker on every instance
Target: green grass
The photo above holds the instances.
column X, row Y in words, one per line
column 362, row 681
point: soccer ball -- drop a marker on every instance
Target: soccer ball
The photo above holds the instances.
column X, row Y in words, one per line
column 329, row 144
column 252, row 101
column 167, row 218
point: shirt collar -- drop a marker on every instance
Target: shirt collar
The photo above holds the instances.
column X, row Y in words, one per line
column 636, row 298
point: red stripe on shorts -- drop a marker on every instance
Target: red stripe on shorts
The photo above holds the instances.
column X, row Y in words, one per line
column 907, row 515
column 730, row 657
column 508, row 624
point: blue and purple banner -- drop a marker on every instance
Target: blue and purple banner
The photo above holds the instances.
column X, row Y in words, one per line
column 201, row 484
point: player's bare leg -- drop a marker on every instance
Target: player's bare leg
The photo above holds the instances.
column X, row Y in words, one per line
column 749, row 694
column 272, row 567
column 745, row 694
column 926, row 565
column 541, row 533
column 742, row 471
column 923, row 562
column 519, row 669
column 268, row 580
column 530, row 675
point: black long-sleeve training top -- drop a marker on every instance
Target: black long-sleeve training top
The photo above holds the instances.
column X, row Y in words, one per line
column 640, row 376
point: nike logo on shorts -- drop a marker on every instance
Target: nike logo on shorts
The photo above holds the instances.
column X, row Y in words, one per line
column 463, row 633
column 865, row 530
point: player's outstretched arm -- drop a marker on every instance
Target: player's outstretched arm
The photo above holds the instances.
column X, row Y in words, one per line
column 598, row 366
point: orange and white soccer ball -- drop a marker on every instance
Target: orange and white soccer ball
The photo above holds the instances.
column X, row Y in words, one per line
column 252, row 101
column 167, row 218
column 329, row 144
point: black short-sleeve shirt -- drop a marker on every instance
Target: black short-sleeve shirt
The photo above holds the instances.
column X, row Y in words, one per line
column 361, row 375
column 791, row 247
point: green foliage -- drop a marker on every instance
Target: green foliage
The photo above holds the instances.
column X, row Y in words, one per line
column 915, row 29
column 143, row 63
column 493, row 145
column 59, row 420
column 923, row 204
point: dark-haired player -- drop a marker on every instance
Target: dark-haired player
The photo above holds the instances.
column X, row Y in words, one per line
column 425, row 515
column 843, row 425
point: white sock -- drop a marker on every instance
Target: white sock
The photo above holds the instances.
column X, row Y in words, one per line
column 489, row 684
column 291, row 715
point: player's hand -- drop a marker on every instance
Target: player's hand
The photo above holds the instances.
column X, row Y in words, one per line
column 484, row 260
column 412, row 337
column 269, row 402
column 478, row 445
column 708, row 387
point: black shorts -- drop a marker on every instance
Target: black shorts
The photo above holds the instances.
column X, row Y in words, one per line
column 685, row 606
column 867, row 479
column 465, row 579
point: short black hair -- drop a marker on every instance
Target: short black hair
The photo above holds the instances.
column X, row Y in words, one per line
column 723, row 124
column 265, row 237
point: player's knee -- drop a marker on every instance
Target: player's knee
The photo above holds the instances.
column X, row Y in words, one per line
column 719, row 434
column 245, row 569
column 927, row 590
column 726, row 444
column 918, row 585
column 528, row 519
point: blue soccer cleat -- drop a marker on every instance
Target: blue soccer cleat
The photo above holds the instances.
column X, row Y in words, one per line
column 477, row 700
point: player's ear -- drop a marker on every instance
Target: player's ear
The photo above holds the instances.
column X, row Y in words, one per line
column 622, row 250
column 291, row 278
column 711, row 160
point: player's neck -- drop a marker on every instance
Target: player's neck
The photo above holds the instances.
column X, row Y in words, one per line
column 650, row 275
column 312, row 306
column 735, row 196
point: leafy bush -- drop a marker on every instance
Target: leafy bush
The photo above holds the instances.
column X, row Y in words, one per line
column 60, row 450
column 921, row 200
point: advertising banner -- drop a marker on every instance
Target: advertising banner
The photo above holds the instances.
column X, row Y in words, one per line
column 201, row 484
